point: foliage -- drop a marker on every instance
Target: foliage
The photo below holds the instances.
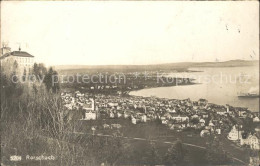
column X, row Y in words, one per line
column 215, row 153
column 151, row 155
column 39, row 70
column 194, row 120
column 175, row 154
column 36, row 123
column 49, row 77
column 51, row 81
column 248, row 125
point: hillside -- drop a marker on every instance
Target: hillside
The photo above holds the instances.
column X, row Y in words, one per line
column 181, row 66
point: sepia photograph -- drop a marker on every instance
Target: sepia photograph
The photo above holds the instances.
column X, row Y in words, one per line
column 129, row 83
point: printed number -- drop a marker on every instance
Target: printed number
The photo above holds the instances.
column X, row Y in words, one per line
column 15, row 158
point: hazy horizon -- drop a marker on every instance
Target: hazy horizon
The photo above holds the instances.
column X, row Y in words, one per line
column 132, row 33
column 157, row 63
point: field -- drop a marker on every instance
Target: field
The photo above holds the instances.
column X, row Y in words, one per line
column 139, row 136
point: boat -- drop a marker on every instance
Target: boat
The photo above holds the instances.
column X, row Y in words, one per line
column 248, row 95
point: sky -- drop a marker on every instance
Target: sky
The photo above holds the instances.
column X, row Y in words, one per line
column 131, row 32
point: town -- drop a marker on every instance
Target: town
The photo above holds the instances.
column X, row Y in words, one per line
column 177, row 115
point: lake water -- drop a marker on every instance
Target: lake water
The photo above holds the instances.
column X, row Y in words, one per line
column 217, row 85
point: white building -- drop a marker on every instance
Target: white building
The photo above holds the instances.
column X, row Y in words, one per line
column 143, row 118
column 204, row 133
column 234, row 134
column 256, row 119
column 252, row 141
column 19, row 61
column 218, row 131
column 180, row 118
column 89, row 108
column 202, row 121
column 90, row 115
column 133, row 120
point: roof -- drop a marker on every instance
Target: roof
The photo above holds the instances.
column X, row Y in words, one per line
column 21, row 53
column 17, row 53
column 177, row 115
column 7, row 48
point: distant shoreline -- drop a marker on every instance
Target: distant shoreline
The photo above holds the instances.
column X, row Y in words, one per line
column 164, row 66
column 177, row 98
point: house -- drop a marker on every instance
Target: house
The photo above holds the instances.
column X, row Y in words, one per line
column 204, row 133
column 257, row 130
column 221, row 111
column 251, row 140
column 180, row 118
column 106, row 126
column 256, row 119
column 80, row 96
column 88, row 107
column 117, row 126
column 163, row 117
column 253, row 161
column 211, row 124
column 90, row 115
column 111, row 114
column 203, row 102
column 68, row 106
column 167, row 116
column 205, row 115
column 112, row 104
column 242, row 113
column 171, row 110
column 195, row 116
column 133, row 120
column 20, row 60
column 218, row 131
column 202, row 121
column 175, row 126
column 234, row 134
column 126, row 114
column 119, row 114
column 143, row 118
column 164, row 121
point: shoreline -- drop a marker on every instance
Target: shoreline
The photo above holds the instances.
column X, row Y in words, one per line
column 185, row 98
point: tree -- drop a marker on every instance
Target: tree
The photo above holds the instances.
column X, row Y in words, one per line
column 39, row 70
column 249, row 126
column 24, row 74
column 195, row 120
column 51, row 81
column 48, row 80
column 215, row 153
column 55, row 81
column 152, row 156
column 175, row 154
column 110, row 149
column 35, row 69
column 15, row 65
column 36, row 123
